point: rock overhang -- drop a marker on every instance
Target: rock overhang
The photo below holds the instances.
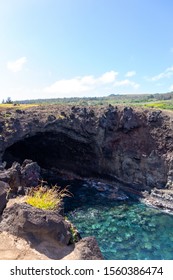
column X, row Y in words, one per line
column 54, row 150
column 132, row 145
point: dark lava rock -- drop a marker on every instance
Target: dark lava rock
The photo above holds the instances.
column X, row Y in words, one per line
column 45, row 230
column 92, row 141
column 72, row 116
column 35, row 225
column 12, row 176
column 75, row 109
column 1, row 126
column 87, row 249
column 63, row 114
column 51, row 118
column 18, row 111
column 4, row 187
column 110, row 119
column 20, row 190
column 129, row 119
column 26, row 175
column 30, row 174
column 154, row 116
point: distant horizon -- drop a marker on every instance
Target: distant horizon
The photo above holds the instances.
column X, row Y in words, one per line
column 64, row 49
column 89, row 97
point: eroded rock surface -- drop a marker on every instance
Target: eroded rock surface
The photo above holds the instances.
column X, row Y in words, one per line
column 132, row 145
column 35, row 224
column 86, row 249
column 20, row 177
column 17, row 248
column 38, row 234
column 3, row 195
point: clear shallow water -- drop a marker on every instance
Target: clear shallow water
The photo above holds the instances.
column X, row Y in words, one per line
column 124, row 230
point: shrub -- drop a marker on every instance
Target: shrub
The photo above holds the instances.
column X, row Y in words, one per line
column 75, row 236
column 47, row 198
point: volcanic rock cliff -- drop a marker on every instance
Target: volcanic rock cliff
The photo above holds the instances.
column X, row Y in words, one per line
column 130, row 147
column 133, row 146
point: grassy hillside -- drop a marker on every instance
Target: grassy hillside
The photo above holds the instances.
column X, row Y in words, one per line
column 160, row 101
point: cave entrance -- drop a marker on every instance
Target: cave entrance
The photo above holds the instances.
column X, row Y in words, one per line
column 54, row 150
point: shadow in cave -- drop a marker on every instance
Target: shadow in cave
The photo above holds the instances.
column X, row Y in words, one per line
column 54, row 151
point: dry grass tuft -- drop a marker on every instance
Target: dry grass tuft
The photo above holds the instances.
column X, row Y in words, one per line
column 47, row 198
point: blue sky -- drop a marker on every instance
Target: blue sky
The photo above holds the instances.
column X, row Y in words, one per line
column 64, row 48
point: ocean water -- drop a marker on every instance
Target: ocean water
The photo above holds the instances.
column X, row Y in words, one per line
column 125, row 230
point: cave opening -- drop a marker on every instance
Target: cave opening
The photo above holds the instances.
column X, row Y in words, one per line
column 54, row 151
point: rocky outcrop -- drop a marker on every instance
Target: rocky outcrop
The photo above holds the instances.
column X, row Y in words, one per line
column 160, row 198
column 133, row 146
column 169, row 184
column 86, row 249
column 35, row 224
column 20, row 177
column 46, row 231
column 4, row 188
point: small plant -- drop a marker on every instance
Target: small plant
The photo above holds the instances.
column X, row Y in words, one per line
column 74, row 232
column 47, row 198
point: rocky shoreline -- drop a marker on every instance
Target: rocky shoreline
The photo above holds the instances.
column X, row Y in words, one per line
column 128, row 153
column 132, row 145
column 45, row 234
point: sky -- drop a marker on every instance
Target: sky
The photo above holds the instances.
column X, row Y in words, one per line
column 77, row 48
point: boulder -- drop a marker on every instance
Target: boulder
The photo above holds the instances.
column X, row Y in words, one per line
column 30, row 174
column 4, row 187
column 51, row 118
column 154, row 116
column 14, row 175
column 26, row 175
column 35, row 225
column 87, row 249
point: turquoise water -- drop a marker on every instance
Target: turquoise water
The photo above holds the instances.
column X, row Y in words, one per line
column 124, row 229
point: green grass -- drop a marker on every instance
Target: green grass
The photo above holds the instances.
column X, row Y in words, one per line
column 47, row 198
column 18, row 106
column 166, row 105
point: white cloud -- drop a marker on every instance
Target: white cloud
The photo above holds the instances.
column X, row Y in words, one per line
column 171, row 88
column 130, row 74
column 165, row 74
column 85, row 85
column 74, row 85
column 81, row 84
column 108, row 77
column 126, row 83
column 17, row 65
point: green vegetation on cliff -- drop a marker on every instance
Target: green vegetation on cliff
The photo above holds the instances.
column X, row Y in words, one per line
column 46, row 198
column 161, row 101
